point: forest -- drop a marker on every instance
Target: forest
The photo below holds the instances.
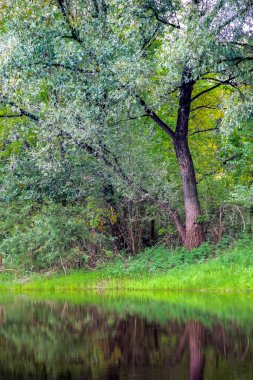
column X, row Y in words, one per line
column 126, row 133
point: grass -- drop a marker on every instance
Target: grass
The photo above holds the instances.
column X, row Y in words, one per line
column 202, row 269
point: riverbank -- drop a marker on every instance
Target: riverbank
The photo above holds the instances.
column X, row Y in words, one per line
column 203, row 269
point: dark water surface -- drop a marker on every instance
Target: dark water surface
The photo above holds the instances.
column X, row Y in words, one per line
column 134, row 336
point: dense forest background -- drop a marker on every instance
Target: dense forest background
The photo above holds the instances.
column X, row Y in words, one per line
column 123, row 124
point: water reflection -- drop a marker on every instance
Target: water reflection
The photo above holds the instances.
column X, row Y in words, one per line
column 193, row 340
column 59, row 340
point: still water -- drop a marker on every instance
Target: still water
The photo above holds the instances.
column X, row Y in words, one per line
column 120, row 336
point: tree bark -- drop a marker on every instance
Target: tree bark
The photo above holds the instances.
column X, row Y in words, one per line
column 194, row 233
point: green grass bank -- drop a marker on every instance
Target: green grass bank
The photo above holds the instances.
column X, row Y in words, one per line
column 203, row 269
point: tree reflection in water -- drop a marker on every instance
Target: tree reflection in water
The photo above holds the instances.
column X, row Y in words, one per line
column 194, row 339
column 54, row 340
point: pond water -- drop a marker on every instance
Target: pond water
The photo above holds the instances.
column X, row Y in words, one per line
column 126, row 336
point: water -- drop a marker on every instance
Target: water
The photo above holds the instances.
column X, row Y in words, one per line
column 126, row 336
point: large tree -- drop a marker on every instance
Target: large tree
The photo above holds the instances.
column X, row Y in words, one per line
column 83, row 71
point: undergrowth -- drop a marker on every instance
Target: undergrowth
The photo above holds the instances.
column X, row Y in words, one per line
column 158, row 259
column 205, row 268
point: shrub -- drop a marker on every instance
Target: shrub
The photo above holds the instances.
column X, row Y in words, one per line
column 51, row 236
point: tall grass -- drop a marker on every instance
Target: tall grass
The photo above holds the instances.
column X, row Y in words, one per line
column 159, row 269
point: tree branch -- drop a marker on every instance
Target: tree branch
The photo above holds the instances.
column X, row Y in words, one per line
column 204, row 130
column 245, row 45
column 148, row 42
column 156, row 118
column 212, row 88
column 166, row 22
column 224, row 163
column 11, row 116
column 163, row 20
column 20, row 109
column 237, row 59
column 201, row 107
column 74, row 33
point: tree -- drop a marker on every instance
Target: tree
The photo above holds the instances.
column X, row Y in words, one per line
column 193, row 235
column 77, row 69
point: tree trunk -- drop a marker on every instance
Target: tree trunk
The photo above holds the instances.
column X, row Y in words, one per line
column 194, row 233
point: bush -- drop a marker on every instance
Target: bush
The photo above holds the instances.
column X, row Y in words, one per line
column 41, row 237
